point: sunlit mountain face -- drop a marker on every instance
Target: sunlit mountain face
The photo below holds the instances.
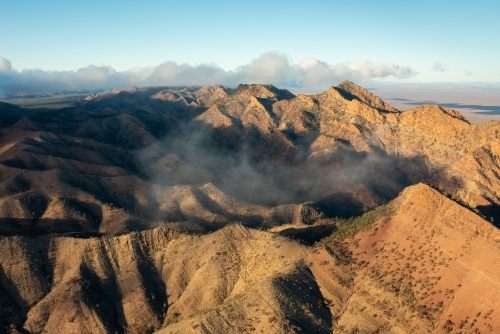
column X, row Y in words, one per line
column 213, row 209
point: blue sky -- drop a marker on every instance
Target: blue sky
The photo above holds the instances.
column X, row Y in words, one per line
column 427, row 41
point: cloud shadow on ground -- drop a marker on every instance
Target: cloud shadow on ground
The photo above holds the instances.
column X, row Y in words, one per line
column 478, row 109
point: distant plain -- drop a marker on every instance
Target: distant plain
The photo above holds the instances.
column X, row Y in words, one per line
column 478, row 103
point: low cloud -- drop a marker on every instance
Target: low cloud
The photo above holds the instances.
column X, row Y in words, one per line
column 316, row 73
column 270, row 68
column 5, row 65
column 468, row 74
column 439, row 67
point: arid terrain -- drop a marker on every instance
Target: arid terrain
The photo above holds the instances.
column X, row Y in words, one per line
column 218, row 210
column 479, row 103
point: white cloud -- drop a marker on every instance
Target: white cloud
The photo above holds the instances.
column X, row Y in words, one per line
column 270, row 68
column 468, row 73
column 173, row 74
column 5, row 65
column 39, row 81
column 439, row 67
column 316, row 73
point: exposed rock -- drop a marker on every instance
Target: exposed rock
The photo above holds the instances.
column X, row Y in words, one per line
column 426, row 269
column 118, row 214
column 415, row 269
column 365, row 96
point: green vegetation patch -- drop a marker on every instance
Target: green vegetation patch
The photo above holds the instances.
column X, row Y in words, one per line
column 345, row 228
column 351, row 226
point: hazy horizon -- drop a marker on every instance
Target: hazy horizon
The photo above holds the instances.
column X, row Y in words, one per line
column 95, row 44
column 56, row 46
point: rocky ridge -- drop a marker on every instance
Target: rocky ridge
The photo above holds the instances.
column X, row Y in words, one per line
column 175, row 210
column 416, row 269
column 365, row 151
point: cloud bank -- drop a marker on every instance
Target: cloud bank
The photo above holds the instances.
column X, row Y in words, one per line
column 270, row 68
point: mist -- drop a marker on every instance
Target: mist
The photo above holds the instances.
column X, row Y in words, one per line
column 342, row 183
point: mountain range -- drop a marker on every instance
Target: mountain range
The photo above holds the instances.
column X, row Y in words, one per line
column 210, row 209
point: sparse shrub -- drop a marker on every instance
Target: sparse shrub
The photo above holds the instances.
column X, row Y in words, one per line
column 448, row 326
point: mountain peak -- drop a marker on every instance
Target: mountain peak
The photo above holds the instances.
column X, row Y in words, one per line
column 436, row 112
column 347, row 83
column 211, row 93
column 358, row 92
column 264, row 91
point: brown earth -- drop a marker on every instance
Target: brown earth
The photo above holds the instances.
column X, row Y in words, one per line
column 173, row 210
column 134, row 159
column 427, row 267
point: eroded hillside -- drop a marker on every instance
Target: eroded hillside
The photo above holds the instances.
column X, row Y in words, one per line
column 425, row 267
column 136, row 159
column 211, row 210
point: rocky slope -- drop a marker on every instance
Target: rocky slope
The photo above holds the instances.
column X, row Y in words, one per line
column 158, row 278
column 133, row 159
column 174, row 210
column 426, row 267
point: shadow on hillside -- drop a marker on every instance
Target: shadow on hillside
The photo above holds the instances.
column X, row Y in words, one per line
column 44, row 226
column 13, row 308
column 308, row 235
column 300, row 288
column 384, row 176
column 490, row 213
